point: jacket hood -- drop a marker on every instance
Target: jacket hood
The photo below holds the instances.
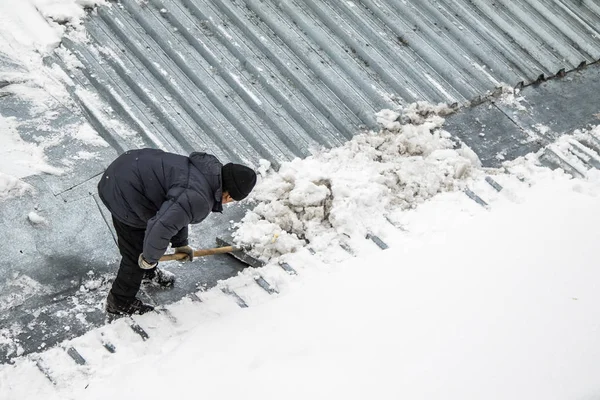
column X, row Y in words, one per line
column 210, row 167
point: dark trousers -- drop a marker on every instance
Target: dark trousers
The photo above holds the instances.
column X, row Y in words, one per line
column 130, row 275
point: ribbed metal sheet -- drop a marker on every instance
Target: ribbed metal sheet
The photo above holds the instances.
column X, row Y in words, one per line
column 250, row 79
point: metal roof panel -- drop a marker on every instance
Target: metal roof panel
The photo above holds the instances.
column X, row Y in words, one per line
column 251, row 79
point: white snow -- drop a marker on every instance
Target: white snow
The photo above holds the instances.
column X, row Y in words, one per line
column 88, row 135
column 85, row 155
column 36, row 219
column 26, row 37
column 25, row 30
column 17, row 157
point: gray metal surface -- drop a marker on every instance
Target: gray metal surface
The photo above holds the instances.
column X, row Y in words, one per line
column 498, row 132
column 252, row 79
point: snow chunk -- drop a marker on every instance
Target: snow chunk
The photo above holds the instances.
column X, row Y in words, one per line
column 419, row 112
column 37, row 219
column 263, row 167
column 510, row 97
column 306, row 193
column 388, row 119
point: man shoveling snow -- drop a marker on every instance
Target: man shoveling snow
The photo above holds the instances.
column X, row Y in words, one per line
column 153, row 197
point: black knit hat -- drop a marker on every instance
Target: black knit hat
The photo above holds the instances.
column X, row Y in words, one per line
column 238, row 180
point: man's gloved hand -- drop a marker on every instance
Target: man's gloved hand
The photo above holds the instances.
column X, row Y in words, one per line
column 145, row 264
column 187, row 250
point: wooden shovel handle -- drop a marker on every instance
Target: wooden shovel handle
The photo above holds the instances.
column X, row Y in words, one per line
column 200, row 253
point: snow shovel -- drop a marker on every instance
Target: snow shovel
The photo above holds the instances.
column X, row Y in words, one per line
column 226, row 247
column 202, row 252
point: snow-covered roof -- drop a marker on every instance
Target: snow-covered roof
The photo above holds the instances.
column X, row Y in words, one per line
column 244, row 80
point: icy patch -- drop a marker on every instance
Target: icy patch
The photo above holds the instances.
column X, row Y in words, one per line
column 329, row 198
column 42, row 88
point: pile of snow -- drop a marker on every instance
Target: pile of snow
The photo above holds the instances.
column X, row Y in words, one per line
column 343, row 194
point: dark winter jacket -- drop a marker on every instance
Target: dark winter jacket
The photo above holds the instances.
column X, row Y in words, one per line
column 162, row 192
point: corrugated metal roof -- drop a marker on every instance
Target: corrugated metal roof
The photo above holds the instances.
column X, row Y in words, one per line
column 250, row 79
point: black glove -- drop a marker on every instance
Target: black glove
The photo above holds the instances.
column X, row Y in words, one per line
column 187, row 250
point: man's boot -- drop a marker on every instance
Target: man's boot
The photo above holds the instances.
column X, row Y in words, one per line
column 116, row 306
column 159, row 277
